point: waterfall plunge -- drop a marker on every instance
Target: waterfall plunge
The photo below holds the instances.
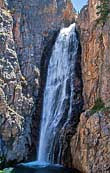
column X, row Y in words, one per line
column 59, row 92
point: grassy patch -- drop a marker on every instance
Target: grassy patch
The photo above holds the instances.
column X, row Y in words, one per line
column 106, row 109
column 1, row 171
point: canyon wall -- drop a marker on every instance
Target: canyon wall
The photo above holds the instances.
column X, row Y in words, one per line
column 95, row 55
column 90, row 147
column 26, row 28
column 15, row 108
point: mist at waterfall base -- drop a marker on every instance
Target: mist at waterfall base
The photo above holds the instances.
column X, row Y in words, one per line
column 57, row 104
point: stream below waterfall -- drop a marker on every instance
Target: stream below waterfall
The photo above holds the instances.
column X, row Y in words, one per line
column 38, row 167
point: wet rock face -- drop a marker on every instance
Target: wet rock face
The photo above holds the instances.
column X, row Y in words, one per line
column 24, row 27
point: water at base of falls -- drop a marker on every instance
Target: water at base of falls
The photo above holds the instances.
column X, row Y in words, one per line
column 41, row 167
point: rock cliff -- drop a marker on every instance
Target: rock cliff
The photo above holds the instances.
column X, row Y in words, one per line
column 95, row 55
column 90, row 147
column 26, row 28
column 15, row 108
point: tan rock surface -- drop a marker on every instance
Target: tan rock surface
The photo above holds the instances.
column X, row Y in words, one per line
column 91, row 151
column 90, row 147
column 95, row 41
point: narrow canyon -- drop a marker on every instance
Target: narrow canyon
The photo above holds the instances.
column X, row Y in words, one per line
column 54, row 85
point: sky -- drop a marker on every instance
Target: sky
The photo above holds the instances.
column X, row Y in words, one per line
column 78, row 4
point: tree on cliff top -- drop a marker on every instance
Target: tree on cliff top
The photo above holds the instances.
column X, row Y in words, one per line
column 103, row 10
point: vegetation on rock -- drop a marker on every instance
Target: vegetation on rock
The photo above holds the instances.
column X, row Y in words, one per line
column 7, row 170
column 97, row 106
column 103, row 10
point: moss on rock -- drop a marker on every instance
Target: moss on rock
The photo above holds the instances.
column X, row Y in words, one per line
column 97, row 106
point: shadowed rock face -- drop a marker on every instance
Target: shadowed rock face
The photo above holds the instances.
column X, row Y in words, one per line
column 26, row 28
column 33, row 21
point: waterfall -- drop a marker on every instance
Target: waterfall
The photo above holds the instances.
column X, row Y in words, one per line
column 59, row 92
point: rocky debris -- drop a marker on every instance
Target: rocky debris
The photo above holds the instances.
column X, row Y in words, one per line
column 91, row 144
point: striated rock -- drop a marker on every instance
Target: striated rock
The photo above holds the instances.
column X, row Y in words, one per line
column 14, row 106
column 95, row 40
column 34, row 22
column 2, row 3
column 92, row 10
column 3, row 104
column 91, row 144
column 90, row 147
column 35, row 26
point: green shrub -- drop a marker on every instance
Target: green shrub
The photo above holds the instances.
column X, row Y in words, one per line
column 97, row 106
column 1, row 171
column 103, row 11
column 106, row 109
column 6, row 170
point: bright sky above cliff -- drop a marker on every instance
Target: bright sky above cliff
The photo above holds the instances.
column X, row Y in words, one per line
column 78, row 4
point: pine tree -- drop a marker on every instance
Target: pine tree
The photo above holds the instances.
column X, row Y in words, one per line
column 103, row 10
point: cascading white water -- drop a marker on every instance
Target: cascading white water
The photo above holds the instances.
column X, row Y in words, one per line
column 59, row 89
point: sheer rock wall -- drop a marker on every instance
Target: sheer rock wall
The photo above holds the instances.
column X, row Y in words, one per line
column 90, row 146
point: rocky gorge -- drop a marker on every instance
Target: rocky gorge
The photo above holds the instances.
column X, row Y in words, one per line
column 28, row 31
